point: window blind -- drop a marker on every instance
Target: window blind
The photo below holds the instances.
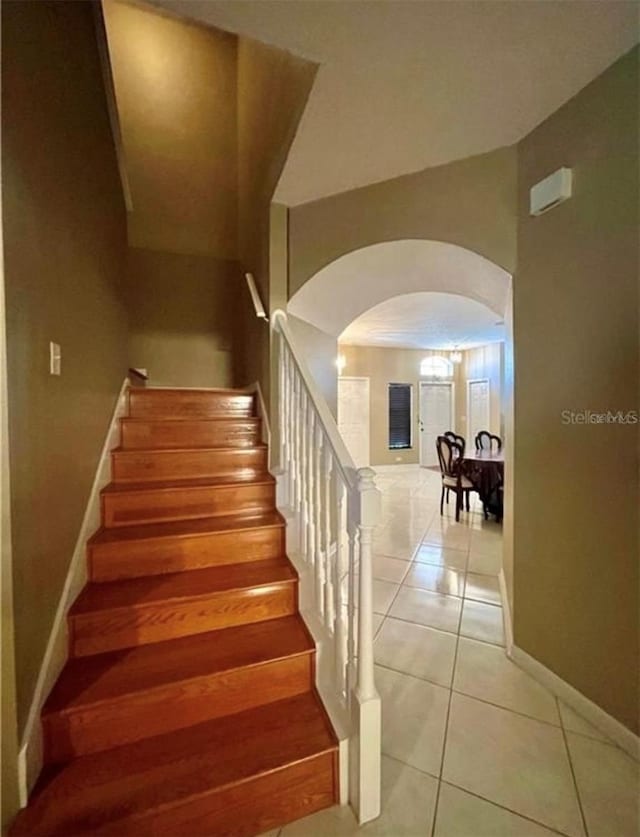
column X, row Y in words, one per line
column 399, row 416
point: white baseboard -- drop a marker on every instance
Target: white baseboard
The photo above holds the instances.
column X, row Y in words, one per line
column 506, row 612
column 55, row 656
column 591, row 712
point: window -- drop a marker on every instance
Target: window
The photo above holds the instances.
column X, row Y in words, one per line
column 436, row 366
column 399, row 416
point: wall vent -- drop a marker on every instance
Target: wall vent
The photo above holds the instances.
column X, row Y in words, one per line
column 551, row 191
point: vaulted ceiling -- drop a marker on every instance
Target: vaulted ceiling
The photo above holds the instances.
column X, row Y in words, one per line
column 408, row 84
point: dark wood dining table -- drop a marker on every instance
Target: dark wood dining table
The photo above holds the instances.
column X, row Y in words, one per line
column 485, row 469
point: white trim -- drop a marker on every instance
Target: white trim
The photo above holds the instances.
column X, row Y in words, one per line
column 55, row 656
column 506, row 612
column 424, row 381
column 590, row 711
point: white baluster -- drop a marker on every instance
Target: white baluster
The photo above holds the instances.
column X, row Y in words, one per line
column 304, row 477
column 329, row 560
column 352, row 533
column 340, row 638
column 310, row 493
column 291, row 421
column 317, row 520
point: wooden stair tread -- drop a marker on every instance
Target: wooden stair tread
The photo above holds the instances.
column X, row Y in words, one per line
column 178, row 528
column 135, row 592
column 177, row 419
column 90, row 680
column 199, row 482
column 146, row 451
column 156, row 773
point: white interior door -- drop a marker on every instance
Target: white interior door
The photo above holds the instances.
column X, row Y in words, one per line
column 436, row 417
column 478, row 410
column 353, row 417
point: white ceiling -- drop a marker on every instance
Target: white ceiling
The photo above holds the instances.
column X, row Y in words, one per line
column 426, row 321
column 372, row 275
column 408, row 84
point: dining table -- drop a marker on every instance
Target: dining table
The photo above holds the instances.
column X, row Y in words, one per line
column 485, row 469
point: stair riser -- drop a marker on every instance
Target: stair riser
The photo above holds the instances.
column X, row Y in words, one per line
column 187, row 404
column 110, row 630
column 132, row 718
column 132, row 559
column 137, row 466
column 252, row 807
column 154, row 505
column 145, row 435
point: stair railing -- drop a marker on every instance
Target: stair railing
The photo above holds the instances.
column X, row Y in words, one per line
column 335, row 508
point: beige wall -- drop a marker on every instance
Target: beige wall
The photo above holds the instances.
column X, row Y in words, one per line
column 175, row 83
column 273, row 87
column 64, row 240
column 402, row 366
column 182, row 312
column 470, row 203
column 576, row 347
column 320, row 350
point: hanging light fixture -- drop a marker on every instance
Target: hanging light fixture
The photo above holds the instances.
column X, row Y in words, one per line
column 456, row 355
column 341, row 362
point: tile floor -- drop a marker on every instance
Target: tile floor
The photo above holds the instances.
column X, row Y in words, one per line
column 472, row 746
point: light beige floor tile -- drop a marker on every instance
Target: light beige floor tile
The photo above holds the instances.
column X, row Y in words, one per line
column 383, row 593
column 486, row 543
column 378, row 619
column 389, row 569
column 450, row 538
column 414, row 716
column 426, row 608
column 408, row 802
column 436, row 578
column 609, row 786
column 338, row 821
column 485, row 672
column 414, row 649
column 484, row 564
column 513, row 761
column 274, row 833
column 455, row 559
column 462, row 815
column 576, row 723
column 482, row 621
column 395, row 547
column 482, row 588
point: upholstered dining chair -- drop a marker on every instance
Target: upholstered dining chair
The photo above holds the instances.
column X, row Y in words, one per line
column 487, row 441
column 449, row 456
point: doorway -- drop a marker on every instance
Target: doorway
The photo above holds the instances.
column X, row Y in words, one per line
column 436, row 417
column 353, row 417
column 478, row 407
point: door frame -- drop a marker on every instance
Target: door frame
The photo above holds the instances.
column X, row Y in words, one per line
column 470, row 381
column 356, row 378
column 439, row 383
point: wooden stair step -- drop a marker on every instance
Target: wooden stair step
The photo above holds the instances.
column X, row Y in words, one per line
column 127, row 504
column 122, row 696
column 241, row 775
column 129, row 466
column 157, row 548
column 224, row 431
column 190, row 403
column 135, row 611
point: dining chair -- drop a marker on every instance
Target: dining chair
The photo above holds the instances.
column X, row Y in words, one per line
column 488, row 441
column 459, row 440
column 450, row 458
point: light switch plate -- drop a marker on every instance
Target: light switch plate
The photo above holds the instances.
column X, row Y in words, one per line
column 55, row 359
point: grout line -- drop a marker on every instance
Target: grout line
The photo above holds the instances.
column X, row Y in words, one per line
column 504, row 807
column 447, row 718
column 573, row 774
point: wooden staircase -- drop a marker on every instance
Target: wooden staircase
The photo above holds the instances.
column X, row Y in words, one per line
column 187, row 705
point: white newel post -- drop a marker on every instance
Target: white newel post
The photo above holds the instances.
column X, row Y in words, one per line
column 366, row 742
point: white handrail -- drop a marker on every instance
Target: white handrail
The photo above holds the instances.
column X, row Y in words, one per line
column 335, row 508
column 255, row 297
column 342, row 456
